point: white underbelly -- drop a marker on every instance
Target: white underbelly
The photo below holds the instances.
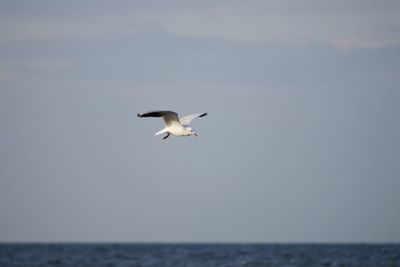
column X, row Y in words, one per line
column 178, row 131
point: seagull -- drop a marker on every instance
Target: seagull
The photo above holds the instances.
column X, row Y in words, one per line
column 173, row 124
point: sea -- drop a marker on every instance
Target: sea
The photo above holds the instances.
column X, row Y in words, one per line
column 193, row 255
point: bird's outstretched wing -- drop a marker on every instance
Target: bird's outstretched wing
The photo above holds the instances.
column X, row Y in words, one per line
column 169, row 117
column 185, row 121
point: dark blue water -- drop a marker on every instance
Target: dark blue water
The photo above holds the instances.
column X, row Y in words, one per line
column 177, row 255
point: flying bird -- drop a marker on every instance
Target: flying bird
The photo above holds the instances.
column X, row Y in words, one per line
column 173, row 124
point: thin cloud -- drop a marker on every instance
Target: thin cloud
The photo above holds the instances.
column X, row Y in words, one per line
column 290, row 25
column 50, row 28
column 342, row 24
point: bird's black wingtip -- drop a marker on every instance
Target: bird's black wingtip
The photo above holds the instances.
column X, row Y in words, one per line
column 204, row 114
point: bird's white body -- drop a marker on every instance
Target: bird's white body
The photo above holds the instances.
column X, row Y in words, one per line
column 175, row 130
column 174, row 125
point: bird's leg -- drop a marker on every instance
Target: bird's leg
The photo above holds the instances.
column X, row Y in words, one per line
column 165, row 137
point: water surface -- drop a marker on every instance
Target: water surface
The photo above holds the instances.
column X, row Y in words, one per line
column 176, row 255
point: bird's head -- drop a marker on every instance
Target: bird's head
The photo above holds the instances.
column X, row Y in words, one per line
column 190, row 131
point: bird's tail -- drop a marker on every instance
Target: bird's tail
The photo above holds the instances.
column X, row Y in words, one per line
column 161, row 132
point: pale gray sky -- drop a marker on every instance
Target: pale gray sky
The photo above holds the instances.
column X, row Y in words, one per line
column 301, row 143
